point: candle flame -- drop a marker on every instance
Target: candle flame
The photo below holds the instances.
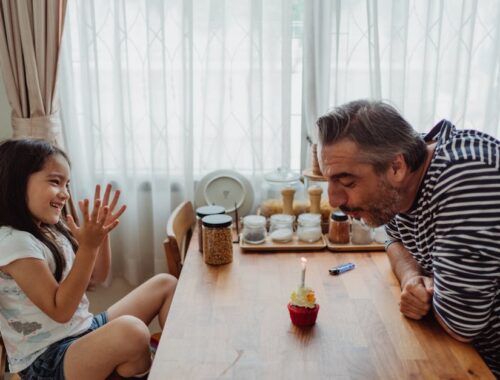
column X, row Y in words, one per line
column 303, row 259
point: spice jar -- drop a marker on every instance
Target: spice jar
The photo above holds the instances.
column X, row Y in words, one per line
column 379, row 235
column 361, row 233
column 309, row 227
column 201, row 212
column 217, row 239
column 339, row 228
column 281, row 229
column 254, row 229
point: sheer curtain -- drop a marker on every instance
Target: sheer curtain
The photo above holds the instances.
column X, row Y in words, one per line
column 431, row 59
column 158, row 93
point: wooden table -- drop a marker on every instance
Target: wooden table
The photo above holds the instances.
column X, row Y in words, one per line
column 232, row 322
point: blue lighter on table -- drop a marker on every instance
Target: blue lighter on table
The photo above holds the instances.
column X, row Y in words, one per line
column 341, row 268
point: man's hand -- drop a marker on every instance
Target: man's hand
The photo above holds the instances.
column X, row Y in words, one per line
column 416, row 297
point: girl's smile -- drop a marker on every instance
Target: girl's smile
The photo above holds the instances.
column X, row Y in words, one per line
column 47, row 190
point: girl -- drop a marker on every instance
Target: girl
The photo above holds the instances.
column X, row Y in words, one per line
column 44, row 317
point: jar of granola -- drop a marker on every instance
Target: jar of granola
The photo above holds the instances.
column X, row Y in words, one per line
column 201, row 212
column 217, row 239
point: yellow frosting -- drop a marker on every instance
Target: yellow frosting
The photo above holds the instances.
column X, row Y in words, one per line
column 303, row 297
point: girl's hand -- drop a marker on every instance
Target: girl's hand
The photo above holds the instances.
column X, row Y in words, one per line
column 95, row 224
column 116, row 196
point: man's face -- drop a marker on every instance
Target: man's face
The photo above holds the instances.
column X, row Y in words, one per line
column 355, row 187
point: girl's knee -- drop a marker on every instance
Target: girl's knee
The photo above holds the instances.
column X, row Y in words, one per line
column 132, row 331
column 166, row 281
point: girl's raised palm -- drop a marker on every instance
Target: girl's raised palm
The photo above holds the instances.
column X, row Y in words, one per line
column 112, row 216
column 97, row 223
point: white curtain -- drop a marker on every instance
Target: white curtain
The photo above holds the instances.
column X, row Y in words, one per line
column 432, row 59
column 157, row 93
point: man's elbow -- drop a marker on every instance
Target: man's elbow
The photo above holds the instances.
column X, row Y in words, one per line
column 450, row 332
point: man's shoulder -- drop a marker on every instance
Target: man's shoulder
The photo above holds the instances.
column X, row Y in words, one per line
column 459, row 146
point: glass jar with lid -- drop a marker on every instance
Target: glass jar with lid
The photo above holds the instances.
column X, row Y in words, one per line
column 339, row 232
column 254, row 229
column 361, row 233
column 217, row 239
column 201, row 212
column 275, row 182
column 281, row 229
column 309, row 227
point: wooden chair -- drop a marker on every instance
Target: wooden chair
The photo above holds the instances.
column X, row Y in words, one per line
column 3, row 359
column 3, row 364
column 180, row 228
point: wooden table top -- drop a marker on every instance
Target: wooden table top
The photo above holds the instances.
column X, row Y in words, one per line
column 232, row 322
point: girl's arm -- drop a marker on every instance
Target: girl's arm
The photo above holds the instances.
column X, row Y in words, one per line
column 60, row 300
column 103, row 260
column 102, row 264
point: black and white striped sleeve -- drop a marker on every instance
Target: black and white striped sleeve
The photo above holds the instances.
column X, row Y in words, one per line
column 466, row 254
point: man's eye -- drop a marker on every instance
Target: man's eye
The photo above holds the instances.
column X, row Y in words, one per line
column 349, row 184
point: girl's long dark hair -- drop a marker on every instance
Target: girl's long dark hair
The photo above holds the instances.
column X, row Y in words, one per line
column 20, row 158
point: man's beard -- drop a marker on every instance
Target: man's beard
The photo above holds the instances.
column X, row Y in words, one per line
column 382, row 208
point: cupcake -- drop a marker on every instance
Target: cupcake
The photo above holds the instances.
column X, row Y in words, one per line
column 303, row 307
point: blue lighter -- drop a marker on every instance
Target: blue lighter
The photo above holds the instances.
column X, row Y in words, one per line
column 341, row 268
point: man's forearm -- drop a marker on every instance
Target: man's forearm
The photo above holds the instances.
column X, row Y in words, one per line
column 402, row 262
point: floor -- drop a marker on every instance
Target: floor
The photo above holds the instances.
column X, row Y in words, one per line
column 103, row 297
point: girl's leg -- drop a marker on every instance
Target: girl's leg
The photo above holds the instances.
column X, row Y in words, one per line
column 147, row 300
column 121, row 344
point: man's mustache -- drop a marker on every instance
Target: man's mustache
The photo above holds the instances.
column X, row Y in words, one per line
column 346, row 209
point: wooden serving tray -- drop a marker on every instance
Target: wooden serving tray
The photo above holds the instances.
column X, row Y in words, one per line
column 294, row 245
column 353, row 247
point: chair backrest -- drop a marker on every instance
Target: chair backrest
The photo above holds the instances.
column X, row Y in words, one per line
column 180, row 226
column 3, row 359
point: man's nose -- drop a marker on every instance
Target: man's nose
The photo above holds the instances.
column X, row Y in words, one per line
column 336, row 196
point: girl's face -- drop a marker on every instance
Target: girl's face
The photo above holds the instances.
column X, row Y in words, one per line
column 47, row 190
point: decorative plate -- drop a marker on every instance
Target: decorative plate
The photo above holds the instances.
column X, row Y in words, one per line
column 225, row 188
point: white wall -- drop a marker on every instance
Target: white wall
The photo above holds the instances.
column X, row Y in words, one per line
column 5, row 129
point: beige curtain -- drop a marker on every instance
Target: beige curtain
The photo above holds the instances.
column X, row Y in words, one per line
column 30, row 39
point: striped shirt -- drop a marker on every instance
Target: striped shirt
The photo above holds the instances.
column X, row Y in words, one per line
column 453, row 232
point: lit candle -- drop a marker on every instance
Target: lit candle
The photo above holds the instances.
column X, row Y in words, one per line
column 303, row 262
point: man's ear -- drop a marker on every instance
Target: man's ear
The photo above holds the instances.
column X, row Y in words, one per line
column 398, row 169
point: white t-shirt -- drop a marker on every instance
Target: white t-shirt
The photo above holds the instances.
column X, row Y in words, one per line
column 26, row 330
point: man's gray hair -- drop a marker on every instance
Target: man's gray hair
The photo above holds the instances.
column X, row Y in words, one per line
column 377, row 128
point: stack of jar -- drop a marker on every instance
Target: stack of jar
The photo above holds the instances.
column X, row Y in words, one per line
column 281, row 228
column 214, row 235
column 343, row 231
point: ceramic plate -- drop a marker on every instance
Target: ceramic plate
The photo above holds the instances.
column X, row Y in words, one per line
column 225, row 188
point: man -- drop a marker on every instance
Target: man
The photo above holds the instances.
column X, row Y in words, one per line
column 440, row 198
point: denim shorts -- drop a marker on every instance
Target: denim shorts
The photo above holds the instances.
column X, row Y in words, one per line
column 50, row 364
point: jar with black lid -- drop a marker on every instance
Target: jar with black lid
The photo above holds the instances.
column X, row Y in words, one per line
column 217, row 239
column 203, row 211
column 339, row 231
